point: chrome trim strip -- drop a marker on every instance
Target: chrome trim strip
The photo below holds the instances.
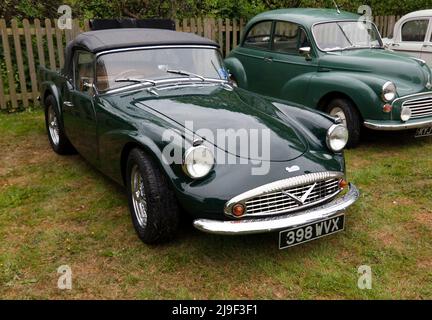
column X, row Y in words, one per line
column 281, row 185
column 155, row 47
column 412, row 95
column 397, row 127
column 250, row 226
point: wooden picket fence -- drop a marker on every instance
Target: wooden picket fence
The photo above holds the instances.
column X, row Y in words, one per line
column 26, row 45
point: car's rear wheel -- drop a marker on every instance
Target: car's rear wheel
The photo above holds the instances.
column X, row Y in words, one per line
column 345, row 110
column 152, row 203
column 56, row 136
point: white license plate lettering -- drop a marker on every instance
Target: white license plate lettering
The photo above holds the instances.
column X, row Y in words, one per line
column 289, row 238
column 423, row 132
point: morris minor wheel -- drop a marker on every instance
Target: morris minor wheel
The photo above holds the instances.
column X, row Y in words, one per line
column 348, row 114
column 152, row 203
column 56, row 136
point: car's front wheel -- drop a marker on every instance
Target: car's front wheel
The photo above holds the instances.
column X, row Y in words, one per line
column 349, row 116
column 56, row 135
column 152, row 203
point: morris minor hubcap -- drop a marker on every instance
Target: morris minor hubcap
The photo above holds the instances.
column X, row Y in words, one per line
column 53, row 127
column 138, row 196
column 339, row 113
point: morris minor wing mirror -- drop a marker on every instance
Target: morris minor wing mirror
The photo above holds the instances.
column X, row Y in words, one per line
column 305, row 51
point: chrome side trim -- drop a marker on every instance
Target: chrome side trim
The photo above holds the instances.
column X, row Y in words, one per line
column 397, row 127
column 250, row 226
column 280, row 185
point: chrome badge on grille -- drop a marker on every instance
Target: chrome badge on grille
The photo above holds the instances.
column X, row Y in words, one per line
column 303, row 198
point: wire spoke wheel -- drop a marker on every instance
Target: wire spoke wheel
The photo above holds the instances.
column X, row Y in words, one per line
column 138, row 196
column 53, row 126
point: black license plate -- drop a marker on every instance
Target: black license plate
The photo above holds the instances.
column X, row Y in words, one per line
column 423, row 132
column 295, row 236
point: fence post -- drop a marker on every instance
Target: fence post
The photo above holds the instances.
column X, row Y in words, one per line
column 39, row 42
column 8, row 61
column 227, row 37
column 30, row 60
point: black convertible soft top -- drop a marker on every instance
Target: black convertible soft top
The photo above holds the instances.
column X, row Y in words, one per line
column 102, row 40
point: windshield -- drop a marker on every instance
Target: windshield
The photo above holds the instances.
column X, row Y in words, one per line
column 331, row 36
column 119, row 69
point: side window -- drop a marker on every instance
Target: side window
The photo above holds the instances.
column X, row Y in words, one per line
column 259, row 35
column 289, row 37
column 414, row 30
column 83, row 72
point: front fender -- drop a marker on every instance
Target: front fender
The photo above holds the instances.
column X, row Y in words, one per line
column 235, row 67
column 361, row 89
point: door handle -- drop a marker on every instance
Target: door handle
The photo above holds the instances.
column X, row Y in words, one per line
column 268, row 59
column 427, row 45
column 68, row 103
column 395, row 44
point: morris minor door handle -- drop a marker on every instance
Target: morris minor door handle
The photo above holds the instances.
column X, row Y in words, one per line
column 68, row 103
column 268, row 59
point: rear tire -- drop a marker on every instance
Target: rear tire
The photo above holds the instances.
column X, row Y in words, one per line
column 350, row 117
column 56, row 135
column 152, row 203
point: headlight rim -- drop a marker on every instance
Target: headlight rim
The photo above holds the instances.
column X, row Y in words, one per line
column 330, row 131
column 187, row 153
column 386, row 87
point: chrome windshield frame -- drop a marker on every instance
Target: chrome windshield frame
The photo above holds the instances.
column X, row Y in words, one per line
column 166, row 80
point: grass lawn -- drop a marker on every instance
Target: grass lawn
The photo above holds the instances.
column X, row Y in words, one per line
column 57, row 210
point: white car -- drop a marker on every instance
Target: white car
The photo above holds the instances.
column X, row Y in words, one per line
column 412, row 34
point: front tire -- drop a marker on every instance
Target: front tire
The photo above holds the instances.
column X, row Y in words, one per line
column 350, row 117
column 56, row 135
column 152, row 203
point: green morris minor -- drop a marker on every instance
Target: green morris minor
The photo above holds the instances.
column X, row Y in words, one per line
column 154, row 110
column 334, row 61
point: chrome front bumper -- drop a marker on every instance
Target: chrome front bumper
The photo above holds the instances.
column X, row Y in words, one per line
column 250, row 226
column 385, row 126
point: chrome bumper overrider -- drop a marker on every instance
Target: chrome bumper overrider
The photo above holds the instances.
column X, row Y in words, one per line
column 412, row 124
column 292, row 220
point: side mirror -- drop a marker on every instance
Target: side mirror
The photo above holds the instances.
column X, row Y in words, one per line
column 305, row 51
column 86, row 85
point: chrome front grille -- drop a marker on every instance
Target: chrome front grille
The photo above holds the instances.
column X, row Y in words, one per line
column 278, row 202
column 420, row 107
column 288, row 195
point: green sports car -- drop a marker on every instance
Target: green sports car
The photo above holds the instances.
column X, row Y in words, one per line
column 154, row 110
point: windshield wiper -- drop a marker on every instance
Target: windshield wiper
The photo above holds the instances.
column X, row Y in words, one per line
column 136, row 80
column 186, row 73
column 345, row 35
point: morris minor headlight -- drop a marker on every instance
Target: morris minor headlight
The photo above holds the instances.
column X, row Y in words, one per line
column 337, row 137
column 388, row 91
column 198, row 162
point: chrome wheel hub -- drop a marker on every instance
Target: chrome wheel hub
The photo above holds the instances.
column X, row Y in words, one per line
column 339, row 113
column 138, row 196
column 53, row 126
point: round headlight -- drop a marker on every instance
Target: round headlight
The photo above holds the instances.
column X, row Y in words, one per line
column 388, row 91
column 198, row 161
column 337, row 137
column 405, row 113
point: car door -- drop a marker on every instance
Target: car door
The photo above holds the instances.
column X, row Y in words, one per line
column 78, row 110
column 411, row 36
column 288, row 68
column 254, row 55
column 426, row 53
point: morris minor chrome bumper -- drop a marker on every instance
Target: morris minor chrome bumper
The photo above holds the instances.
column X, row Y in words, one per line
column 397, row 126
column 281, row 222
